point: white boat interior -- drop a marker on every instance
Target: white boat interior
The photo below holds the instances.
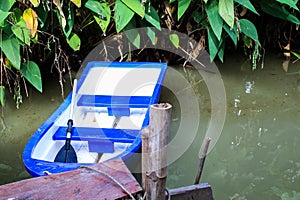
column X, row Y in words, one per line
column 100, row 83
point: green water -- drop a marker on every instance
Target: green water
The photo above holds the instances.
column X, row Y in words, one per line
column 256, row 157
column 20, row 124
column 258, row 154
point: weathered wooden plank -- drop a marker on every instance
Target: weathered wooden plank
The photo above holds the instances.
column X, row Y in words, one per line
column 201, row 191
column 82, row 183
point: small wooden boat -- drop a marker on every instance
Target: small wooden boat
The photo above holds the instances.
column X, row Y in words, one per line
column 110, row 109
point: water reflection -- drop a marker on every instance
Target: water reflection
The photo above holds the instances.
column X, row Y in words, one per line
column 19, row 125
column 257, row 155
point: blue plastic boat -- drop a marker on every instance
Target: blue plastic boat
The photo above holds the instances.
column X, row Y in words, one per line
column 110, row 110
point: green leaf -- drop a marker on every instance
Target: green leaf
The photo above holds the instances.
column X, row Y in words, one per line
column 249, row 29
column 151, row 35
column 213, row 44
column 60, row 13
column 5, row 5
column 171, row 1
column 70, row 23
column 152, row 17
column 276, row 10
column 247, row 4
column 136, row 6
column 31, row 72
column 103, row 22
column 2, row 96
column 96, row 7
column 123, row 15
column 31, row 19
column 248, row 42
column 3, row 16
column 77, row 3
column 174, row 39
column 232, row 33
column 74, row 42
column 182, row 7
column 7, row 30
column 132, row 33
column 221, row 50
column 290, row 3
column 214, row 18
column 11, row 48
column 35, row 39
column 17, row 15
column 22, row 32
column 296, row 54
column 35, row 3
column 205, row 1
column 226, row 11
column 42, row 13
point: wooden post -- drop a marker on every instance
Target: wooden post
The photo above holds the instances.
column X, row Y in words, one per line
column 154, row 155
column 202, row 160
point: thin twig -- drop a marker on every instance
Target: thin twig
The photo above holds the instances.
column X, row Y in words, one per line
column 191, row 56
column 105, row 51
column 25, row 86
column 121, row 54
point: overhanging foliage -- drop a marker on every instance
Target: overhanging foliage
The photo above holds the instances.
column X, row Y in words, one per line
column 48, row 23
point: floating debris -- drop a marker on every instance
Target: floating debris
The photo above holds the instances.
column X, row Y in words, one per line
column 249, row 86
column 237, row 101
column 239, row 112
column 237, row 196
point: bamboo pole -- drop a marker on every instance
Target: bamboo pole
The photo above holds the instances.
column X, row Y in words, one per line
column 145, row 156
column 202, row 160
column 154, row 155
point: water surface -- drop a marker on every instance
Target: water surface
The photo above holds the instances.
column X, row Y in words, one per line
column 20, row 124
column 256, row 156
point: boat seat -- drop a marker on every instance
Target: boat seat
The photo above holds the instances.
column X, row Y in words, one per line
column 116, row 105
column 99, row 139
column 98, row 134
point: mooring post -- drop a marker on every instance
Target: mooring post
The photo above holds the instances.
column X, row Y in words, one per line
column 154, row 151
column 202, row 160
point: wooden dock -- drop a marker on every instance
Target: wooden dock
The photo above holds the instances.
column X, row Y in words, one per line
column 83, row 183
column 93, row 183
column 112, row 179
column 200, row 191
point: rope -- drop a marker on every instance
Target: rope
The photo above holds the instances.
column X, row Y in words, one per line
column 112, row 178
column 144, row 197
column 169, row 196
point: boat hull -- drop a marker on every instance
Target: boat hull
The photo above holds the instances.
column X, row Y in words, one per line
column 108, row 118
